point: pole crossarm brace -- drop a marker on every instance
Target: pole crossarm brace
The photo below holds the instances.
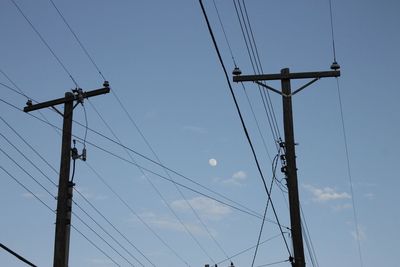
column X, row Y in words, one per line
column 287, row 76
column 69, row 97
column 315, row 76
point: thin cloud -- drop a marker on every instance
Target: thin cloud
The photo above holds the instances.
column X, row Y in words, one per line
column 206, row 207
column 360, row 234
column 238, row 178
column 326, row 194
column 167, row 223
column 195, row 129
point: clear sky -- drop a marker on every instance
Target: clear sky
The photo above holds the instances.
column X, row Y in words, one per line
column 160, row 61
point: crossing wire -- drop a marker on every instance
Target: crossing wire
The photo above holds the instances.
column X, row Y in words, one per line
column 41, row 185
column 45, row 42
column 274, row 165
column 346, row 148
column 155, row 188
column 135, row 124
column 243, row 210
column 53, row 211
column 249, row 39
column 242, row 122
column 46, row 176
column 244, row 89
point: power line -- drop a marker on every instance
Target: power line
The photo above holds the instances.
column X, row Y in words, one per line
column 156, row 189
column 45, row 43
column 37, row 168
column 148, row 144
column 41, row 185
column 250, row 248
column 243, row 210
column 135, row 214
column 242, row 122
column 105, row 241
column 349, row 175
column 53, row 211
column 17, row 255
column 77, row 39
column 94, row 244
column 113, row 226
column 266, row 209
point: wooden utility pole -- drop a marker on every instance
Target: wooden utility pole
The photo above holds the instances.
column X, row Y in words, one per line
column 290, row 155
column 65, row 186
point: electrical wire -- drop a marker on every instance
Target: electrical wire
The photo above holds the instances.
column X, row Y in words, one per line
column 124, row 202
column 26, row 188
column 99, row 71
column 242, row 122
column 250, row 248
column 96, row 246
column 273, row 263
column 266, row 209
column 113, row 226
column 349, row 176
column 17, row 255
column 105, row 241
column 53, row 211
column 37, row 168
column 223, row 30
column 41, row 185
column 257, row 69
column 45, row 43
column 243, row 210
column 168, row 205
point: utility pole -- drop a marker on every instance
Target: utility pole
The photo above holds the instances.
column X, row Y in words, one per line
column 290, row 169
column 65, row 186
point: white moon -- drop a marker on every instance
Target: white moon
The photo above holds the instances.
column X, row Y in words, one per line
column 212, row 162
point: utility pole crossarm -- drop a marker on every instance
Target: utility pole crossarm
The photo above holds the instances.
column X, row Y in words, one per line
column 65, row 99
column 286, row 76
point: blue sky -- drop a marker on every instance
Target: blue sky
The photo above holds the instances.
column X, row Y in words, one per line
column 159, row 59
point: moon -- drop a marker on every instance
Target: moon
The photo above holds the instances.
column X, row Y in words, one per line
column 212, row 162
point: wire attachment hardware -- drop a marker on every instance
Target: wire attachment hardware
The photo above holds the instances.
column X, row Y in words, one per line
column 75, row 154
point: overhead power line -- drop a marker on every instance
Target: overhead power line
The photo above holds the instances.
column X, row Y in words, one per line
column 45, row 42
column 242, row 123
column 53, row 211
column 17, row 255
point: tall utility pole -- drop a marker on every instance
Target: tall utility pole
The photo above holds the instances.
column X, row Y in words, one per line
column 65, row 186
column 290, row 155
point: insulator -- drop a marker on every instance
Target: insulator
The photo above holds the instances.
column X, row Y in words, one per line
column 335, row 66
column 106, row 84
column 236, row 71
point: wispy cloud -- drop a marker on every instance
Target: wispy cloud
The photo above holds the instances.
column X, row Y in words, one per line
column 237, row 178
column 206, row 207
column 360, row 233
column 167, row 223
column 195, row 129
column 326, row 193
